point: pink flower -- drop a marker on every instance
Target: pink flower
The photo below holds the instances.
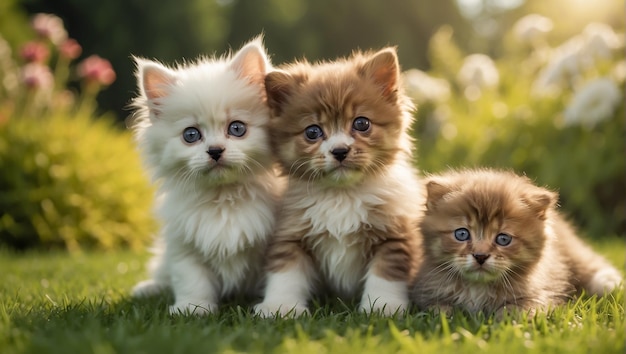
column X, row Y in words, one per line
column 35, row 52
column 70, row 49
column 50, row 27
column 96, row 69
column 37, row 76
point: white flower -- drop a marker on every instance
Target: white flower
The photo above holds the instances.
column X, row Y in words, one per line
column 423, row 87
column 600, row 40
column 478, row 70
column 595, row 102
column 564, row 66
column 532, row 27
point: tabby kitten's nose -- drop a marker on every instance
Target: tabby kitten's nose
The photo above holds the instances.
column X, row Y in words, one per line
column 215, row 152
column 480, row 258
column 340, row 153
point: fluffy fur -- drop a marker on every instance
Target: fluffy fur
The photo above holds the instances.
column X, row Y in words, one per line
column 202, row 128
column 347, row 224
column 544, row 264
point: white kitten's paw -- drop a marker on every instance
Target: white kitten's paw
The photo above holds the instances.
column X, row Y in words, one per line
column 268, row 310
column 385, row 308
column 147, row 288
column 192, row 308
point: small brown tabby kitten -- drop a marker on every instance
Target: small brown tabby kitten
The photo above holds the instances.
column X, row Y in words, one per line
column 495, row 242
column 347, row 224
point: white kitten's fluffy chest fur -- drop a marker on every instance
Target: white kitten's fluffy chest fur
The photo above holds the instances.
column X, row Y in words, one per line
column 344, row 224
column 225, row 228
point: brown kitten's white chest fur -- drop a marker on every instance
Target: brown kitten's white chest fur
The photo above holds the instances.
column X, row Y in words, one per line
column 493, row 241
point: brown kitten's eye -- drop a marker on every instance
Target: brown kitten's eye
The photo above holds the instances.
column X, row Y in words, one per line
column 361, row 124
column 462, row 234
column 237, row 129
column 313, row 132
column 503, row 239
column 191, row 135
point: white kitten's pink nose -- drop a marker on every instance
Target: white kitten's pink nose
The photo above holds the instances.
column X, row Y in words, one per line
column 215, row 152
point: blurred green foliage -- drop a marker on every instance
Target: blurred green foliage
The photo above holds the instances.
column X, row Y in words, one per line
column 69, row 178
column 170, row 30
column 71, row 182
column 513, row 125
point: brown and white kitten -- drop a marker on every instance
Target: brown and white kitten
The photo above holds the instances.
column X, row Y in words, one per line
column 347, row 224
column 493, row 241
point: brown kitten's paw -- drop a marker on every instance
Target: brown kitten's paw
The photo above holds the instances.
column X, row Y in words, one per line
column 267, row 310
column 384, row 296
column 196, row 309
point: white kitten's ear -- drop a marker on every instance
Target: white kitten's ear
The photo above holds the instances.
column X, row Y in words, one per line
column 155, row 81
column 251, row 62
column 540, row 201
column 279, row 85
column 384, row 69
column 435, row 192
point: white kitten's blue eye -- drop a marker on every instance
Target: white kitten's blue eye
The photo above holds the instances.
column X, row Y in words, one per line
column 237, row 129
column 361, row 124
column 313, row 132
column 462, row 234
column 191, row 135
column 503, row 239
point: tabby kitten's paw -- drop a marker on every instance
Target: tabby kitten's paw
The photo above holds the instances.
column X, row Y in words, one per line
column 189, row 308
column 269, row 310
column 604, row 281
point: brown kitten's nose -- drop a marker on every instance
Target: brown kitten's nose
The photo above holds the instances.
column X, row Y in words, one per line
column 340, row 153
column 215, row 152
column 480, row 258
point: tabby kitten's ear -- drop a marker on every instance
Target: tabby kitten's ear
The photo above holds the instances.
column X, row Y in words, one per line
column 540, row 201
column 251, row 62
column 384, row 69
column 435, row 189
column 154, row 81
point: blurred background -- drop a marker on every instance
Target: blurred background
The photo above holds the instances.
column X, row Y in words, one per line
column 530, row 85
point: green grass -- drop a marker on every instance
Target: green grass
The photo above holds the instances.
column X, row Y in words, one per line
column 55, row 303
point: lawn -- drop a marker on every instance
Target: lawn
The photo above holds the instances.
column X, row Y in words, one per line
column 55, row 303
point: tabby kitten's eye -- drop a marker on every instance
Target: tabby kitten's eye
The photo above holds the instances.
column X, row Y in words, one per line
column 313, row 132
column 361, row 124
column 462, row 234
column 191, row 135
column 503, row 239
column 237, row 129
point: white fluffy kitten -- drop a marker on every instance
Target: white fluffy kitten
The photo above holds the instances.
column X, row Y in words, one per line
column 202, row 128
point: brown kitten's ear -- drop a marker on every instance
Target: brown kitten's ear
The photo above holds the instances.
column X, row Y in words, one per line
column 278, row 85
column 540, row 201
column 435, row 192
column 251, row 62
column 384, row 69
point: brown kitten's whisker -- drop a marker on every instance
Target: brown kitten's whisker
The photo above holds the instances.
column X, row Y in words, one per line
column 301, row 161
